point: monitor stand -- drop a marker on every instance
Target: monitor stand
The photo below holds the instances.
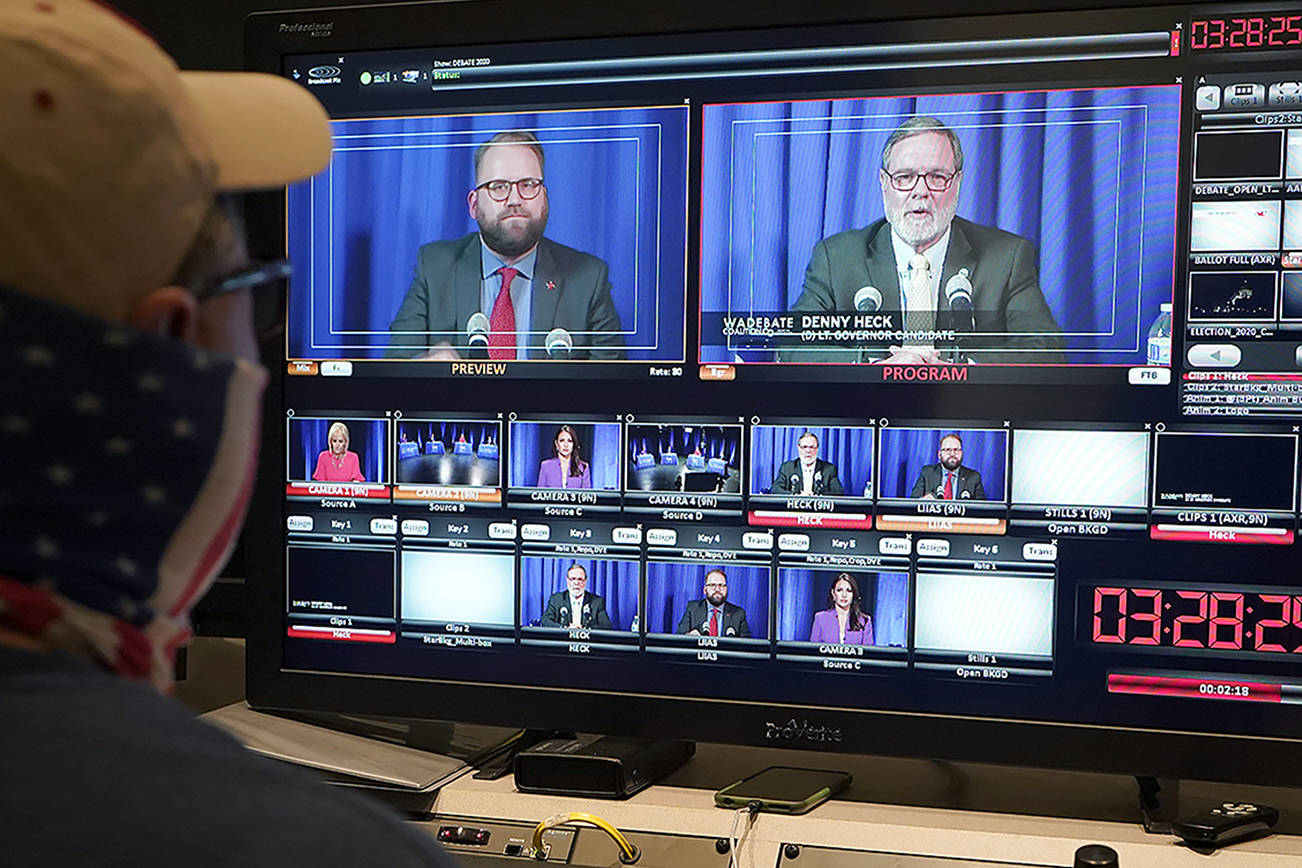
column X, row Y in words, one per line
column 1158, row 814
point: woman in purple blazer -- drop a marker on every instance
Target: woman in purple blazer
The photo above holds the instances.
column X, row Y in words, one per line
column 567, row 469
column 844, row 622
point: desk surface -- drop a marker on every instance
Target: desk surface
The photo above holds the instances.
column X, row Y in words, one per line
column 910, row 806
column 941, row 832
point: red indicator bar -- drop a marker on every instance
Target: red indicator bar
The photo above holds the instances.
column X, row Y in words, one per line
column 1175, row 43
column 351, row 490
column 835, row 520
column 344, row 634
column 1242, row 535
column 1193, row 688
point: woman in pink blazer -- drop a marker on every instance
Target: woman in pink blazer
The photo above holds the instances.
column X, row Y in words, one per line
column 337, row 464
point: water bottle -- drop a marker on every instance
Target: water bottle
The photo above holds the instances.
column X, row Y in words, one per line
column 1159, row 338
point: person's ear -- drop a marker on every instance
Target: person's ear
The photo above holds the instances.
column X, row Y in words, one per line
column 168, row 311
column 470, row 204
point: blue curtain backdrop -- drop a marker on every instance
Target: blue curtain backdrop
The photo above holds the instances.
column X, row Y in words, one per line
column 616, row 581
column 307, row 440
column 617, row 187
column 531, row 444
column 801, row 593
column 850, row 449
column 670, row 587
column 1089, row 176
column 905, row 451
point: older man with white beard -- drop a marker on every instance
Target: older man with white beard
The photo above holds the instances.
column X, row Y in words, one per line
column 919, row 249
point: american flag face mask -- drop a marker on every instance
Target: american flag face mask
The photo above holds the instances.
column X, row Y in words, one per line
column 130, row 461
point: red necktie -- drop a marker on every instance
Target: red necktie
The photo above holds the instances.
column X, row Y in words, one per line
column 714, row 622
column 501, row 325
column 949, row 486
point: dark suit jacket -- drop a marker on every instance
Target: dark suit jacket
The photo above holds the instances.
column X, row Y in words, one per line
column 697, row 617
column 932, row 478
column 1006, row 293
column 557, row 613
column 829, row 485
column 444, row 293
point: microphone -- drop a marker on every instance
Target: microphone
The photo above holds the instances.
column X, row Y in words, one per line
column 958, row 289
column 940, row 491
column 959, row 292
column 477, row 336
column 818, row 483
column 559, row 344
column 796, row 486
column 867, row 299
column 587, row 610
column 730, row 632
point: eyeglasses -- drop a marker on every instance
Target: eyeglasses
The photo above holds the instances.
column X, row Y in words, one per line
column 269, row 307
column 500, row 191
column 937, row 182
column 716, row 584
column 951, row 449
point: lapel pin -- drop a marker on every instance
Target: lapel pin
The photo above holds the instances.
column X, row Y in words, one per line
column 551, row 284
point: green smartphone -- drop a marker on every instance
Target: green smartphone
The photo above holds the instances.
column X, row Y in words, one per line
column 783, row 789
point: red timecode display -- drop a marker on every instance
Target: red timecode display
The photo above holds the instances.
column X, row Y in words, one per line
column 1247, row 32
column 1208, row 620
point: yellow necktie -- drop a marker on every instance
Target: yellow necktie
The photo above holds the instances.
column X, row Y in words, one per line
column 920, row 313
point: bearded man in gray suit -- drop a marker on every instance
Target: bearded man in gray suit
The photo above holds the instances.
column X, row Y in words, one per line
column 524, row 284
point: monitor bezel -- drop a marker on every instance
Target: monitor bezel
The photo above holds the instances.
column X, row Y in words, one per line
column 269, row 36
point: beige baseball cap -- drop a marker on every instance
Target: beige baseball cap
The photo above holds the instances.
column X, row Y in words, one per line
column 110, row 155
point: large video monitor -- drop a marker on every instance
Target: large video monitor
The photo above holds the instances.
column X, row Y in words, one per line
column 821, row 378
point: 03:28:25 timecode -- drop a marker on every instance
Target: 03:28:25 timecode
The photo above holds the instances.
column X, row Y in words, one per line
column 1259, row 31
column 1196, row 619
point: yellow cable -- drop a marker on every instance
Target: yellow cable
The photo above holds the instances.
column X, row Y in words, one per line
column 628, row 853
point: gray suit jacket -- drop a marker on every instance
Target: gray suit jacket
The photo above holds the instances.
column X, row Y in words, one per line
column 557, row 613
column 931, row 478
column 444, row 293
column 790, row 480
column 696, row 617
column 1005, row 288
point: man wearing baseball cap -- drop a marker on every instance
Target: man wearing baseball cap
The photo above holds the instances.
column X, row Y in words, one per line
column 128, row 434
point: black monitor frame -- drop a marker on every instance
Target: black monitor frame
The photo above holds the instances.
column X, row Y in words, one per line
column 1120, row 749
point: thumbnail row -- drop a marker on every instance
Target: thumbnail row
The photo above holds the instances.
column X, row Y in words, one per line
column 799, row 466
column 742, row 606
column 576, row 243
column 1247, row 155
